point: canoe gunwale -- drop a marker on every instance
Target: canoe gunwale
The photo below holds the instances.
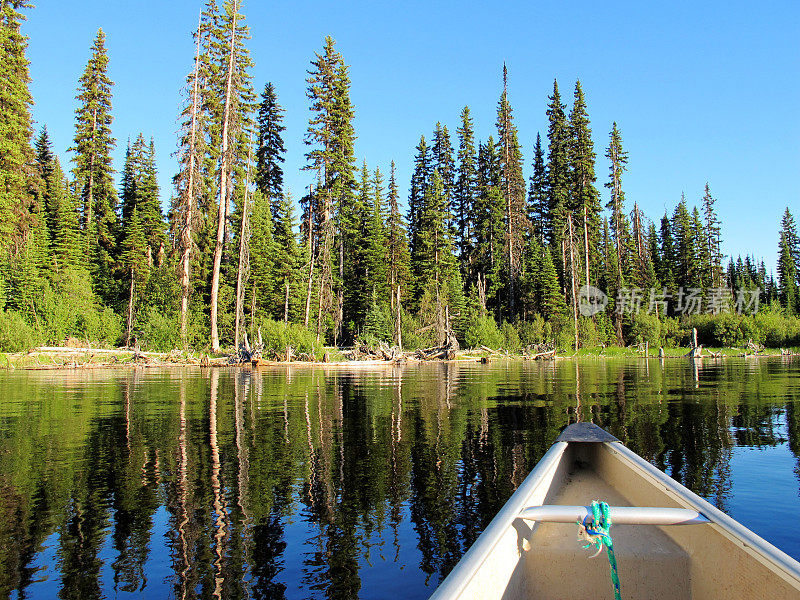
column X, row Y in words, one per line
column 757, row 547
column 462, row 574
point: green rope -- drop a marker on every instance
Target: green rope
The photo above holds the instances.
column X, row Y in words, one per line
column 597, row 534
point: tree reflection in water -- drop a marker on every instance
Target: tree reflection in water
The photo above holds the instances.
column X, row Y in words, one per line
column 296, row 483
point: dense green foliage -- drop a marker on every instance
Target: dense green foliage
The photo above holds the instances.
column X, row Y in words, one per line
column 477, row 257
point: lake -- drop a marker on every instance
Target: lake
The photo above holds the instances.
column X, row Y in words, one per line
column 368, row 482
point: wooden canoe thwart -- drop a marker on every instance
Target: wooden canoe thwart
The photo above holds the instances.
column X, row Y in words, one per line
column 669, row 542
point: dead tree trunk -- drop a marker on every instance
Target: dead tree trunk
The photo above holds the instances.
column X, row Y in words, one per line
column 572, row 278
column 243, row 273
column 188, row 205
column 224, row 184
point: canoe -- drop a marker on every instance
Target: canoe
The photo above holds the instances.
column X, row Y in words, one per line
column 668, row 542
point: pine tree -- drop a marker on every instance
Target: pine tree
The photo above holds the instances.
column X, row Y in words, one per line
column 489, row 259
column 331, row 134
column 584, row 197
column 700, row 270
column 512, row 185
column 618, row 159
column 399, row 259
column 66, row 245
column 191, row 194
column 356, row 284
column 287, row 259
column 420, row 180
column 667, row 264
column 683, row 235
column 234, row 122
column 16, row 130
column 442, row 160
column 266, row 295
column 92, row 173
column 440, row 282
column 789, row 264
column 465, row 193
column 376, row 238
column 558, row 174
column 713, row 236
column 538, row 211
column 134, row 261
column 270, row 148
column 554, row 307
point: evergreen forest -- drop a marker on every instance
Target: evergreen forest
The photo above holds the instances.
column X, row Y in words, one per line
column 486, row 244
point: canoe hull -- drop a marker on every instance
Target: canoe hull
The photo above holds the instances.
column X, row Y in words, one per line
column 515, row 558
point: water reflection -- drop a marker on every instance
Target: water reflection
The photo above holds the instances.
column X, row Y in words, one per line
column 316, row 483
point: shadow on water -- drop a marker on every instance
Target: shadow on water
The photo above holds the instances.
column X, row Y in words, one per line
column 336, row 484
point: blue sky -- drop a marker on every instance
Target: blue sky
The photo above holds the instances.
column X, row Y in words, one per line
column 701, row 91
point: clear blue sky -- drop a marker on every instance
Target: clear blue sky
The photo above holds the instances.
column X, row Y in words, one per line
column 701, row 91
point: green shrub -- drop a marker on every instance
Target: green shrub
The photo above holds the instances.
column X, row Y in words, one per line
column 15, row 334
column 672, row 332
column 159, row 332
column 533, row 331
column 483, row 331
column 511, row 341
column 378, row 324
column 646, row 327
column 727, row 330
column 277, row 335
column 588, row 334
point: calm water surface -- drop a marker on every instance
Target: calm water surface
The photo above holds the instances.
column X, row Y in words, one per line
column 306, row 483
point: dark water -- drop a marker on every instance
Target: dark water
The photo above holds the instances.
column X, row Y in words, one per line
column 311, row 484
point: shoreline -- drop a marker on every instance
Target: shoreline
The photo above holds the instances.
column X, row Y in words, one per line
column 67, row 358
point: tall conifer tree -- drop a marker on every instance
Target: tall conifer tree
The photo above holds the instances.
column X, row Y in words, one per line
column 584, row 198
column 789, row 263
column 512, row 185
column 558, row 174
column 332, row 138
column 465, row 192
column 270, row 148
column 540, row 225
column 93, row 171
column 16, row 130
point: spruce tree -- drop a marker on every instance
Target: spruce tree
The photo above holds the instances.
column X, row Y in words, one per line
column 65, row 244
column 332, row 138
column 442, row 160
column 668, row 264
column 440, row 282
column 558, row 174
column 399, row 259
column 376, row 238
column 16, row 130
column 554, row 308
column 618, row 159
column 93, row 170
column 190, row 205
column 266, row 294
column 287, row 259
column 512, row 185
column 713, row 237
column 789, row 264
column 232, row 118
column 538, row 211
column 684, row 249
column 489, row 259
column 135, row 263
column 465, row 192
column 701, row 261
column 270, row 148
column 420, row 180
column 584, row 197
